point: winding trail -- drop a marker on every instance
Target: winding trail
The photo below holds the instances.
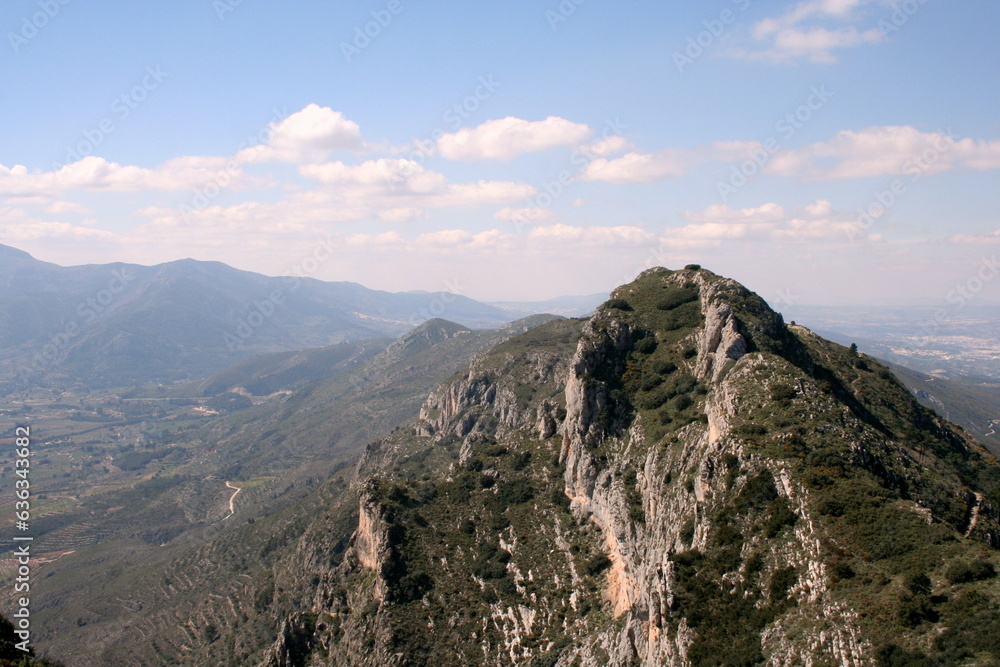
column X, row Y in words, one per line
column 232, row 498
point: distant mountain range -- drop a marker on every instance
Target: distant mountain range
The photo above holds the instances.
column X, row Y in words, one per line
column 125, row 324
column 566, row 306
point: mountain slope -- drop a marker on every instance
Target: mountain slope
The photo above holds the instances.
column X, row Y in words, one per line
column 268, row 374
column 120, row 324
column 681, row 480
column 696, row 484
column 177, row 539
column 974, row 407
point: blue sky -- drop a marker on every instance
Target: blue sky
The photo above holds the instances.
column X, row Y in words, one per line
column 513, row 150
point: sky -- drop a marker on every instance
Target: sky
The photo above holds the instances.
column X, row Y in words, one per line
column 823, row 152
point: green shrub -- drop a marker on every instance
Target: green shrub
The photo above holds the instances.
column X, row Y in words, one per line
column 677, row 297
column 960, row 572
column 646, row 346
column 782, row 580
column 917, row 583
column 681, row 403
column 892, row 655
column 662, row 367
column 687, row 531
column 679, row 384
column 650, row 381
column 913, row 610
column 783, row 392
column 842, row 570
column 750, row 430
column 780, row 514
column 520, row 460
column 652, row 400
column 618, row 304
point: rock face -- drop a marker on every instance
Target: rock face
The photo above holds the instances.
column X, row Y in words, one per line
column 371, row 540
column 680, row 480
column 641, row 581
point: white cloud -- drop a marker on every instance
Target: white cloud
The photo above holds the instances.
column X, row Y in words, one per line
column 383, row 174
column 769, row 222
column 97, row 174
column 453, row 241
column 506, row 138
column 989, row 238
column 637, row 167
column 526, row 214
column 379, row 240
column 613, row 145
column 33, row 230
column 387, row 190
column 721, row 213
column 401, row 214
column 786, row 37
column 60, row 206
column 840, row 9
column 480, row 193
column 309, row 135
column 558, row 236
column 821, row 208
column 388, row 180
column 542, row 239
column 885, row 151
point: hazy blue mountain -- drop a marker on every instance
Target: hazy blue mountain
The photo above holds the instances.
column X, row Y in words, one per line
column 566, row 306
column 119, row 324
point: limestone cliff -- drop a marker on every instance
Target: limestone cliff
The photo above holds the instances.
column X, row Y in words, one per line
column 680, row 480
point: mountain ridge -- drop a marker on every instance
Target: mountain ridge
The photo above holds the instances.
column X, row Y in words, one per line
column 765, row 516
column 124, row 324
column 680, row 479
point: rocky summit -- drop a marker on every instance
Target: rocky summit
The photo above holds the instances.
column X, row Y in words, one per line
column 681, row 479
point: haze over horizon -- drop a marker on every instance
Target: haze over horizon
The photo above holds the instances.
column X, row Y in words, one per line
column 820, row 152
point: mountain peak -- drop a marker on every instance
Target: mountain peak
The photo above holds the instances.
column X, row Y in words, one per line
column 721, row 486
column 425, row 335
